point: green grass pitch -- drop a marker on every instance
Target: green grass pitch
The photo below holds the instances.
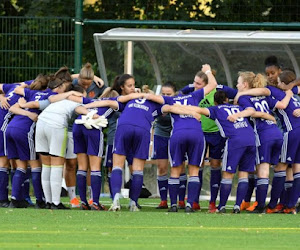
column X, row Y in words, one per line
column 147, row 229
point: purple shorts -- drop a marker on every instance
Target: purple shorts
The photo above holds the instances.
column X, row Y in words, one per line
column 290, row 152
column 160, row 147
column 216, row 143
column 269, row 151
column 108, row 161
column 186, row 144
column 244, row 157
column 87, row 141
column 20, row 143
column 132, row 139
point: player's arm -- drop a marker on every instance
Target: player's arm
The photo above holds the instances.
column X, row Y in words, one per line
column 103, row 103
column 82, row 110
column 17, row 110
column 253, row 92
column 188, row 110
column 127, row 98
column 4, row 102
column 212, row 83
column 245, row 113
column 155, row 98
column 66, row 95
column 292, row 84
column 285, row 101
column 99, row 82
column 263, row 115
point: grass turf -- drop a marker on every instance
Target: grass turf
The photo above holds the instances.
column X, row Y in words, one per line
column 147, row 229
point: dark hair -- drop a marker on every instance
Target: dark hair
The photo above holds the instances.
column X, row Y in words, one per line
column 120, row 81
column 63, row 74
column 76, row 87
column 272, row 61
column 171, row 85
column 40, row 82
column 220, row 97
column 287, row 76
column 55, row 82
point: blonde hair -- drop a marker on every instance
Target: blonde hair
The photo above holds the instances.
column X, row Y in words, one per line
column 87, row 72
column 109, row 92
column 146, row 89
column 40, row 82
column 254, row 81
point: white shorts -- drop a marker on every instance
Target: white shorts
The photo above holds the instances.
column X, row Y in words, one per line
column 51, row 140
column 70, row 147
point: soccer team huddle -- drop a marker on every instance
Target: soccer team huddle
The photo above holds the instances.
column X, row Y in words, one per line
column 56, row 122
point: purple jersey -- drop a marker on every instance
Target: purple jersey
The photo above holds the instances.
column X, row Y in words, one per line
column 139, row 112
column 265, row 129
column 21, row 121
column 185, row 121
column 239, row 133
column 8, row 90
column 288, row 121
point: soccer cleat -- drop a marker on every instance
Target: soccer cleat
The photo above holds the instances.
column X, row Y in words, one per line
column 236, row 211
column 97, row 207
column 173, row 209
column 181, row 204
column 188, row 209
column 59, row 206
column 29, row 202
column 18, row 204
column 133, row 208
column 4, row 203
column 138, row 205
column 212, row 207
column 272, row 210
column 162, row 205
column 75, row 202
column 84, row 206
column 221, row 210
column 244, row 205
column 114, row 208
column 252, row 207
column 196, row 206
column 40, row 204
column 258, row 210
column 290, row 210
column 48, row 205
column 91, row 202
column 280, row 207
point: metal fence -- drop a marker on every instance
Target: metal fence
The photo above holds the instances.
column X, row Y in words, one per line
column 33, row 45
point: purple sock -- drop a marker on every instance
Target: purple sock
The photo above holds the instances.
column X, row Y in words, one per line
column 225, row 190
column 262, row 191
column 3, row 184
column 26, row 188
column 200, row 174
column 109, row 184
column 96, row 181
column 130, row 185
column 12, row 173
column 116, row 180
column 287, row 192
column 251, row 186
column 136, row 185
column 81, row 183
column 241, row 191
column 37, row 183
column 182, row 187
column 163, row 186
column 215, row 180
column 193, row 187
column 295, row 191
column 173, row 184
column 277, row 187
column 18, row 184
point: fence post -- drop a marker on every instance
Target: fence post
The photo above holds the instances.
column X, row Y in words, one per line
column 78, row 35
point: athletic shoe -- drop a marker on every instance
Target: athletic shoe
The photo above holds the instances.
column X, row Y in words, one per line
column 40, row 204
column 196, row 206
column 48, row 205
column 181, row 204
column 173, row 209
column 221, row 210
column 133, row 207
column 29, row 202
column 90, row 201
column 290, row 210
column 280, row 207
column 84, row 206
column 4, row 203
column 59, row 206
column 258, row 210
column 244, row 205
column 138, row 206
column 97, row 207
column 116, row 203
column 236, row 209
column 212, row 207
column 162, row 205
column 252, row 207
column 75, row 202
column 18, row 204
column 188, row 209
column 272, row 210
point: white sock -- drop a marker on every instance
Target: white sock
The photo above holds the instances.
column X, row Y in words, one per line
column 90, row 192
column 71, row 192
column 46, row 171
column 55, row 182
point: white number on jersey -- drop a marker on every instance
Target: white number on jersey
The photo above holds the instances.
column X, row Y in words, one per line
column 232, row 111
